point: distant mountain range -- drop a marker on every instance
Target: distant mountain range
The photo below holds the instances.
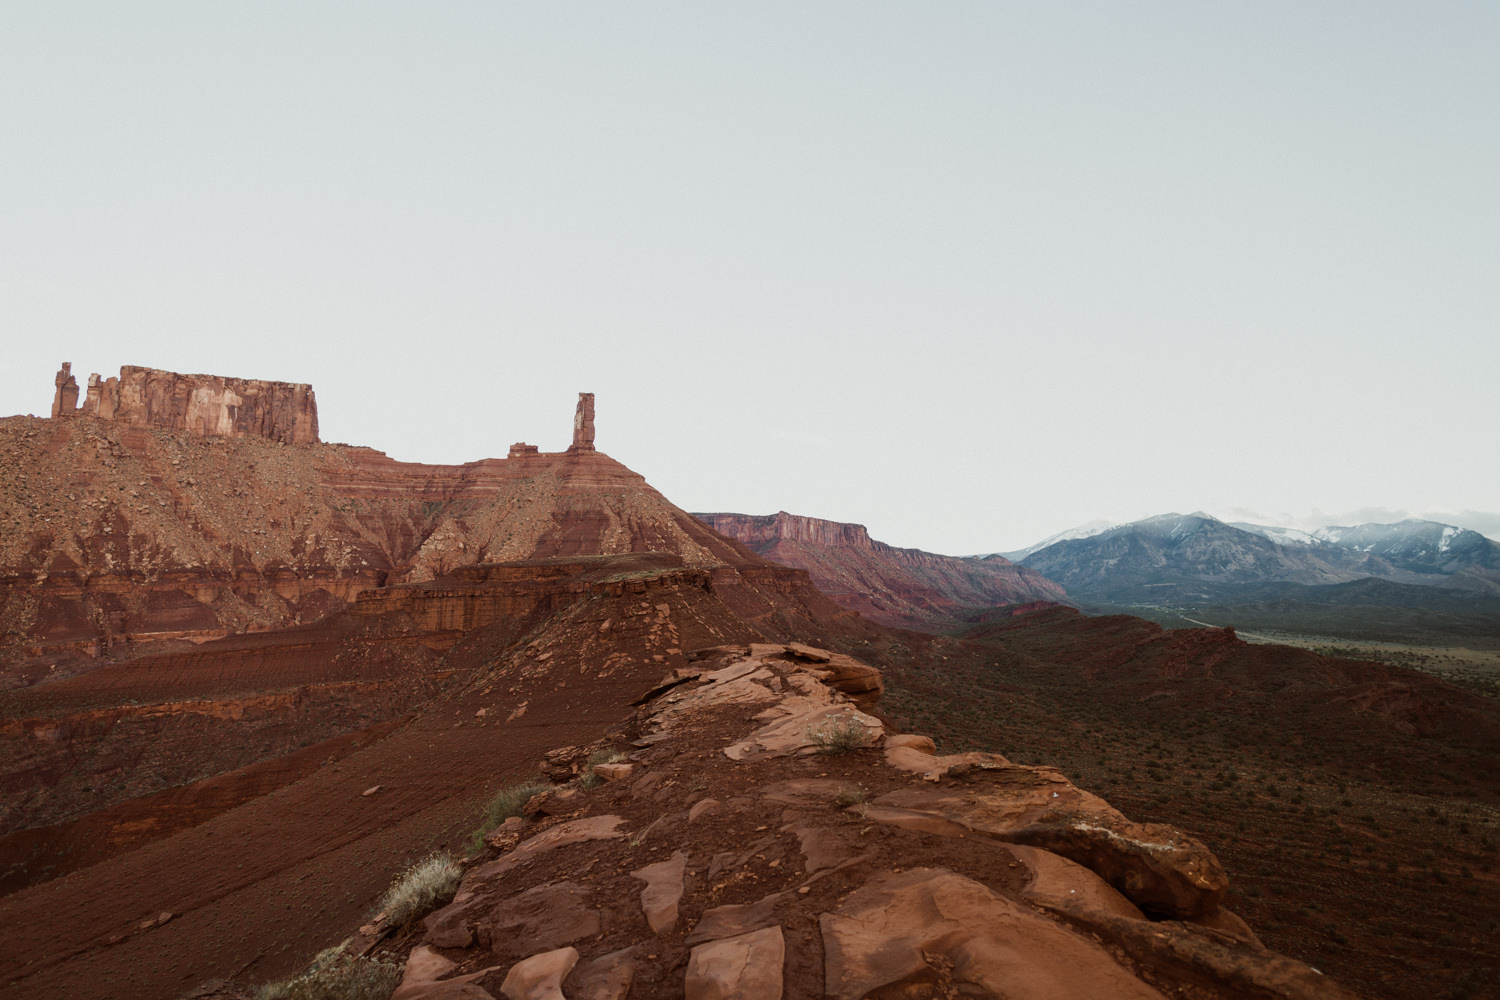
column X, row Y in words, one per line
column 1198, row 557
column 906, row 588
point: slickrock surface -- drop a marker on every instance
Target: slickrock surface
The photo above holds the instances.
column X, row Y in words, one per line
column 774, row 868
column 904, row 588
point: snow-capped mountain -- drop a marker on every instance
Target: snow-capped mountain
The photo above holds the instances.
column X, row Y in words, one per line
column 1418, row 546
column 1196, row 553
column 1281, row 536
column 1082, row 531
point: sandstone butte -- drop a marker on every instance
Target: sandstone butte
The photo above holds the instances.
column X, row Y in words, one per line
column 249, row 679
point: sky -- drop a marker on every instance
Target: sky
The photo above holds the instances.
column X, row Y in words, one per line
column 969, row 274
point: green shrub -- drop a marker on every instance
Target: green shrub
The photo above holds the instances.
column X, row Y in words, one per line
column 420, row 888
column 837, row 734
column 334, row 975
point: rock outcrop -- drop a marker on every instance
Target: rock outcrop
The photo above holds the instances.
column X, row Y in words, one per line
column 905, row 588
column 776, row 865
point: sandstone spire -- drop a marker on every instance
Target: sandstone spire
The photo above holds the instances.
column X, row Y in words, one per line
column 583, row 423
column 65, row 400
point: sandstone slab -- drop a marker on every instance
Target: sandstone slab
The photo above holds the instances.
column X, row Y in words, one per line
column 607, row 977
column 540, row 919
column 663, row 892
column 540, row 976
column 420, row 980
column 575, row 831
column 746, row 967
column 1158, row 868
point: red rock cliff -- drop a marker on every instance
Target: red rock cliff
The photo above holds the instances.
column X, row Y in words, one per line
column 205, row 405
column 907, row 588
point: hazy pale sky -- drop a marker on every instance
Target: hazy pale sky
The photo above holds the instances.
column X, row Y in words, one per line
column 967, row 273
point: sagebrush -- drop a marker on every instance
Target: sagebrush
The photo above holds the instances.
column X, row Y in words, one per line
column 419, row 889
column 838, row 734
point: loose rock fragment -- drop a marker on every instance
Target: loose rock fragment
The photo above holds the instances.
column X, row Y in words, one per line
column 663, row 891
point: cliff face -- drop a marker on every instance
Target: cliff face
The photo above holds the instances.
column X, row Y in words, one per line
column 204, row 405
column 907, row 588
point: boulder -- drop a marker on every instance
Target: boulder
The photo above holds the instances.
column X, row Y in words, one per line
column 614, row 772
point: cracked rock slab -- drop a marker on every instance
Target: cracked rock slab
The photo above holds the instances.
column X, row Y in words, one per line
column 745, row 967
column 933, row 928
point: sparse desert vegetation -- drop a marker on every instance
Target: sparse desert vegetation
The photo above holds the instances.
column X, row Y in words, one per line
column 507, row 802
column 839, row 734
column 337, row 975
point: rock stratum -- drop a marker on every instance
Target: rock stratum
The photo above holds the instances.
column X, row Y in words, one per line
column 903, row 588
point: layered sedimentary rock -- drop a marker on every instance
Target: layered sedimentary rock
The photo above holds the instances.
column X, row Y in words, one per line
column 204, row 405
column 907, row 588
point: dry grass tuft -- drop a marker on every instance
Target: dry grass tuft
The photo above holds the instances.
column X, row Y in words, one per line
column 420, row 888
column 839, row 734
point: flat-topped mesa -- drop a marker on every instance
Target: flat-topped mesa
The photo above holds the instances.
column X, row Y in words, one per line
column 583, row 423
column 206, row 405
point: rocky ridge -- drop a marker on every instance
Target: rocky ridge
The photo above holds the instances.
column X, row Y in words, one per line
column 904, row 588
column 728, row 856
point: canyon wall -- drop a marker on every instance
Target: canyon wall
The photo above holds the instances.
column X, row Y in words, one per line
column 905, row 588
column 205, row 405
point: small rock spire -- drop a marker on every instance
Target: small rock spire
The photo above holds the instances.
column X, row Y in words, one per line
column 583, row 423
